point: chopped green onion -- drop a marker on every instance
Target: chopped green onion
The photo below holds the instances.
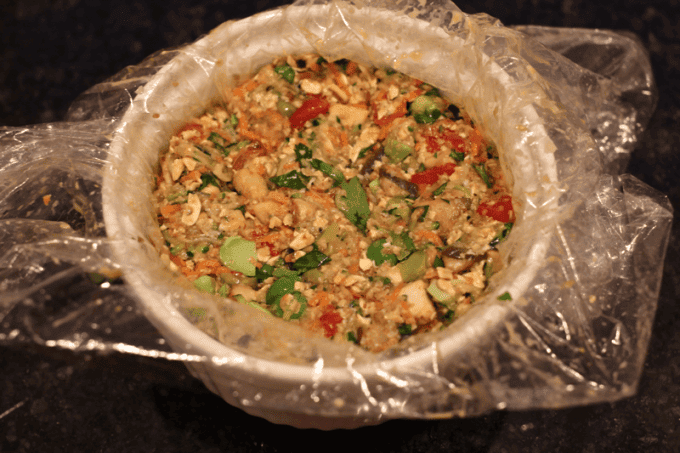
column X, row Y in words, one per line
column 438, row 294
column 205, row 283
column 481, row 171
column 286, row 72
column 239, row 255
column 439, row 190
column 455, row 155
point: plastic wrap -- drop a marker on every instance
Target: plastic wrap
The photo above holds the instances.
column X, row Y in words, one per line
column 583, row 263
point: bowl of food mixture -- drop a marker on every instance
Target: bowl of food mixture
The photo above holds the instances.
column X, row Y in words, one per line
column 355, row 203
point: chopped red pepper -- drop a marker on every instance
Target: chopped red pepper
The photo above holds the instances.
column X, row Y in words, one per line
column 330, row 320
column 398, row 113
column 431, row 175
column 500, row 209
column 310, row 109
column 448, row 136
column 272, row 249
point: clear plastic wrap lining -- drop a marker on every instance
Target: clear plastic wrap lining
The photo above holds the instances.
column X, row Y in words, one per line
column 583, row 263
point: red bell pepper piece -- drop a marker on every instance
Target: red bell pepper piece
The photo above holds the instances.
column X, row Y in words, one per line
column 500, row 209
column 431, row 175
column 329, row 321
column 309, row 110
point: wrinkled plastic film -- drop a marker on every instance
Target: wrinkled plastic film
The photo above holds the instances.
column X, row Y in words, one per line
column 584, row 260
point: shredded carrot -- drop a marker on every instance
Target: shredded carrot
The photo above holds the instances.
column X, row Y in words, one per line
column 291, row 166
column 321, row 299
column 324, row 199
column 344, row 141
column 477, row 148
column 222, row 270
column 207, row 265
column 177, row 260
column 430, row 236
column 167, row 211
column 241, row 90
column 191, row 176
column 413, row 94
column 244, row 131
column 351, row 68
column 394, row 295
column 46, row 199
column 337, row 76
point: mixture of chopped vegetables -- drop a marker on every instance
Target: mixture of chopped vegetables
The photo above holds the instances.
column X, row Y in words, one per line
column 353, row 201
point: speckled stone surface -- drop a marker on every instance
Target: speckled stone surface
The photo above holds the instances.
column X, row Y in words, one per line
column 54, row 401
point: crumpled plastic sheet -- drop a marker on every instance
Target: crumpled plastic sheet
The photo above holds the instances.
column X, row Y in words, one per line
column 577, row 334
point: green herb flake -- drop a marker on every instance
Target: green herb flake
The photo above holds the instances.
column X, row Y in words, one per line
column 375, row 253
column 281, row 287
column 354, row 204
column 363, row 151
column 311, row 260
column 422, row 216
column 208, row 179
column 264, row 272
column 405, row 329
column 302, row 151
column 502, row 235
column 219, row 142
column 505, row 296
column 286, row 72
column 459, row 157
column 328, row 170
column 291, row 180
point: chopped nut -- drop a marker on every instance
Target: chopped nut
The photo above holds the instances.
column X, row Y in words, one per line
column 365, row 264
column 190, row 163
column 302, row 240
column 192, row 210
column 176, row 169
column 310, row 86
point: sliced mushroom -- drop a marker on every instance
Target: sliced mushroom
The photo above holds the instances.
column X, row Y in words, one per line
column 408, row 186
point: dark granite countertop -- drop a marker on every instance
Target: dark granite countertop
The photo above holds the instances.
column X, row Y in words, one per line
column 54, row 400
